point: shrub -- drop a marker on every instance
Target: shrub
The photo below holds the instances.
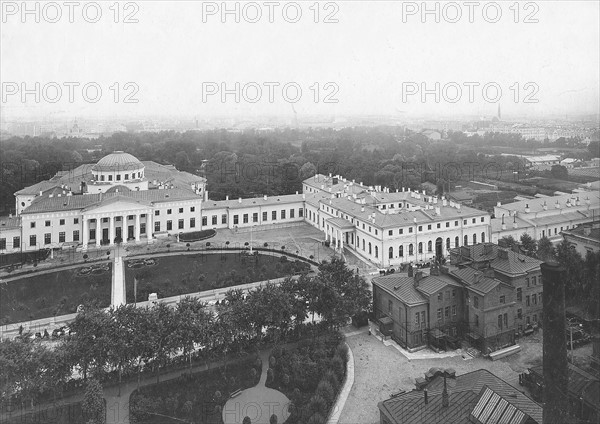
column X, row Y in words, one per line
column 338, row 367
column 316, row 419
column 332, row 379
column 247, row 420
column 272, row 361
column 325, row 390
column 318, row 404
column 273, row 419
column 270, row 375
column 342, row 351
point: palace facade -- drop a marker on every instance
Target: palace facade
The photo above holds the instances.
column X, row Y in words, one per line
column 123, row 200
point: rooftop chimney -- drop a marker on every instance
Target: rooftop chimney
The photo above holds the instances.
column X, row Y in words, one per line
column 240, row 200
column 418, row 277
column 444, row 202
column 477, row 276
column 545, row 206
column 438, row 211
column 425, row 395
column 227, row 197
column 527, row 208
column 265, row 197
column 499, row 204
column 555, row 366
column 445, row 399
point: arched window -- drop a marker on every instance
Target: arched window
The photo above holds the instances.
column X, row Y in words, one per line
column 401, row 251
column 357, row 241
column 456, row 241
column 376, row 251
column 474, row 238
column 370, row 250
column 448, row 243
column 429, row 246
column 483, row 237
column 420, row 247
column 391, row 253
column 363, row 244
column 411, row 250
column 466, row 241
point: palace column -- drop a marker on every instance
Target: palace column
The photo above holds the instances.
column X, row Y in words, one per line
column 86, row 233
column 111, row 231
column 137, row 227
column 98, row 230
column 149, row 224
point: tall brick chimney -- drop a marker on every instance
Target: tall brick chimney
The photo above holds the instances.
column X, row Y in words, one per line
column 556, row 404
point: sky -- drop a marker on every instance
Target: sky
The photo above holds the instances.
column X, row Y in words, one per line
column 359, row 58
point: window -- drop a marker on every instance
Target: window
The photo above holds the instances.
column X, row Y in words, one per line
column 439, row 314
column 500, row 322
column 76, row 235
column 476, row 302
column 466, row 241
column 192, row 208
column 420, row 247
column 390, row 232
column 526, row 300
column 274, row 216
column 423, row 318
column 429, row 246
column 157, row 227
column 169, row 211
column 447, row 312
column 32, row 241
column 453, row 293
column 61, row 222
column 401, row 231
column 417, row 319
column 429, row 226
column 2, row 244
column 439, row 225
column 519, row 294
column 456, row 223
column 410, row 250
column 410, row 229
column 474, row 238
column 447, row 224
column 440, row 296
column 245, row 218
column 389, row 306
column 300, row 212
column 126, row 176
column 16, row 242
column 47, row 238
column 61, row 237
column 391, row 253
column 204, row 220
column 534, row 299
column 370, row 250
column 254, row 217
column 118, row 177
column 192, row 222
column 527, row 281
column 264, row 216
column 180, row 224
column 476, row 320
column 75, row 220
column 534, row 317
column 214, row 220
column 156, row 213
column 533, row 282
column 401, row 251
column 47, row 223
column 505, row 316
column 110, row 178
column 224, row 218
column 376, row 251
column 502, row 299
column 363, row 244
column 292, row 213
column 456, row 241
column 448, row 243
column 142, row 228
column 283, row 214
column 483, row 237
column 180, row 210
column 473, row 220
column 420, row 228
column 453, row 310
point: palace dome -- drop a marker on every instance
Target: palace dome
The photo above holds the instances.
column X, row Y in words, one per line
column 118, row 161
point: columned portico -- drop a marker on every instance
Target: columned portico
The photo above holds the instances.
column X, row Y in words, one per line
column 337, row 230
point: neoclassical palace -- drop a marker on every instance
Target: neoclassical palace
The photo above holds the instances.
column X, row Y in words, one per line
column 123, row 200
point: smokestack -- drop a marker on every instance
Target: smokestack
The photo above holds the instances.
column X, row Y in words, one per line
column 425, row 395
column 555, row 366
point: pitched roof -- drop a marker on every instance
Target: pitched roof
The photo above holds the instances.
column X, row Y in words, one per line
column 401, row 287
column 467, row 276
column 434, row 283
column 503, row 260
column 492, row 408
column 252, row 201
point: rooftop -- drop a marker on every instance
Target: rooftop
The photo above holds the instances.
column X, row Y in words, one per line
column 118, row 161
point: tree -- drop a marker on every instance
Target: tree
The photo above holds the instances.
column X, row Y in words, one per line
column 572, row 261
column 507, row 242
column 529, row 244
column 247, row 420
column 559, row 172
column 307, row 170
column 93, row 403
column 545, row 249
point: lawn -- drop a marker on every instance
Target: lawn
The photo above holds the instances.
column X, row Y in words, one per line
column 55, row 293
column 197, row 397
column 181, row 274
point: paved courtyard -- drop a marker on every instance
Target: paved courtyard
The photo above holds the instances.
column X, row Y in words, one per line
column 381, row 370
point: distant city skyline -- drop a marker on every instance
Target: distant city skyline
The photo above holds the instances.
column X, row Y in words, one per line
column 371, row 61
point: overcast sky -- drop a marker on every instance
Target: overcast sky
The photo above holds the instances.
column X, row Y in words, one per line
column 372, row 56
